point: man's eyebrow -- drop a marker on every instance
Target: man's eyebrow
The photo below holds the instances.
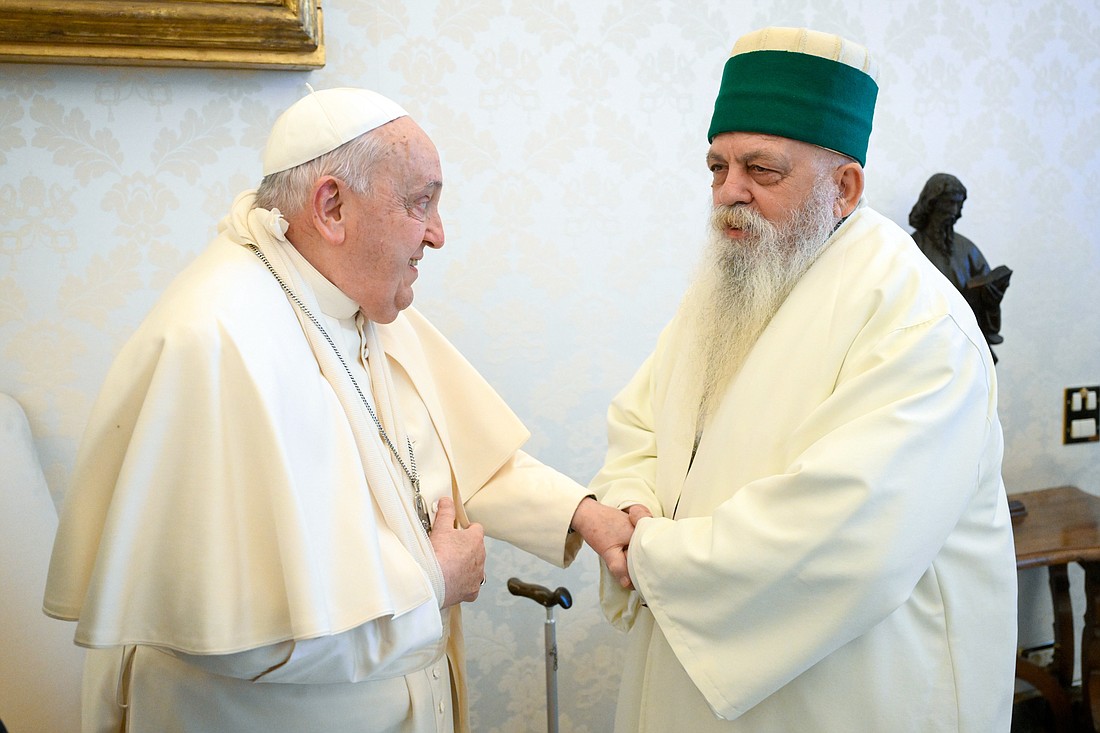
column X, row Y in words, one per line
column 763, row 156
column 758, row 155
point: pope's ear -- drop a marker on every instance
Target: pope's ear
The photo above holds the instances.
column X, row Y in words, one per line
column 326, row 208
column 849, row 181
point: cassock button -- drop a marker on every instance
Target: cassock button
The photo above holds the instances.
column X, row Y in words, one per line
column 435, row 672
column 441, row 708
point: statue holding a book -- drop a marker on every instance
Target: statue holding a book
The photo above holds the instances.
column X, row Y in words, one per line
column 933, row 217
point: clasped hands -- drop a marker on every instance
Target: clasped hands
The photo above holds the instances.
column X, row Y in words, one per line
column 608, row 531
column 461, row 552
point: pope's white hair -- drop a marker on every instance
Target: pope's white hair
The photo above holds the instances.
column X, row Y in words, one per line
column 353, row 163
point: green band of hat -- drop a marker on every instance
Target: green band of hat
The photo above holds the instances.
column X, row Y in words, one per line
column 799, row 96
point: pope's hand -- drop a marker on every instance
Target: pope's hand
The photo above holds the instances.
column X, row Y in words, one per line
column 607, row 531
column 461, row 554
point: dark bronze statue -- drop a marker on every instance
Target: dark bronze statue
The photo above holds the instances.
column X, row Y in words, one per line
column 933, row 217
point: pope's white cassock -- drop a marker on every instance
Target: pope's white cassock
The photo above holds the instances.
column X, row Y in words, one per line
column 838, row 556
column 240, row 549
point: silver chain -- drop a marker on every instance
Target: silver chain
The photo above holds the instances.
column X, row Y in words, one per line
column 410, row 470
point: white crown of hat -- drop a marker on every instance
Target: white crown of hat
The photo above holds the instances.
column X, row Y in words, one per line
column 322, row 121
column 814, row 43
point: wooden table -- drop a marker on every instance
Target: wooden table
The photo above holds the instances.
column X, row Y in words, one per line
column 1062, row 525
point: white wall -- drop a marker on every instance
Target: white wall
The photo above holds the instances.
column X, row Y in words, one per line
column 572, row 134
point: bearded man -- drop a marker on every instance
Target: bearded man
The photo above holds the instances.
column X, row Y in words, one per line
column 811, row 456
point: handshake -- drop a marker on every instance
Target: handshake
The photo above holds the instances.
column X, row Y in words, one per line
column 461, row 552
column 608, row 531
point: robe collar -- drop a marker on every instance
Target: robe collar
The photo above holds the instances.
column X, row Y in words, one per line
column 333, row 300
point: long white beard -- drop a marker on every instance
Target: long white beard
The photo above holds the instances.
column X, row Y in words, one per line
column 741, row 284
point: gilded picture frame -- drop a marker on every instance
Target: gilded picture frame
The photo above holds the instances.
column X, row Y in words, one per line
column 269, row 34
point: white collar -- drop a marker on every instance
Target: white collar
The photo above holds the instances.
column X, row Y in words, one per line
column 332, row 300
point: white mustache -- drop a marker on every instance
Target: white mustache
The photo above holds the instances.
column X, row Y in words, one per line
column 738, row 216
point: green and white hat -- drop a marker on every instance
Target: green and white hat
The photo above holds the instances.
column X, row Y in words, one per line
column 800, row 84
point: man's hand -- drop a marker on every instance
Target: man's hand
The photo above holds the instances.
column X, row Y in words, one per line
column 636, row 512
column 607, row 531
column 461, row 554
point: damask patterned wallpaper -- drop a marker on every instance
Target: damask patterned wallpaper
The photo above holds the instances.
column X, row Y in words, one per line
column 572, row 134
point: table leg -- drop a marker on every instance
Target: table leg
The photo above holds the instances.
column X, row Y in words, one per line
column 1061, row 665
column 1090, row 646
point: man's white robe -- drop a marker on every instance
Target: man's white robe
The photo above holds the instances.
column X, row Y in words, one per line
column 221, row 504
column 838, row 557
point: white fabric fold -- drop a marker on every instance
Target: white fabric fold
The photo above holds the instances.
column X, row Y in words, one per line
column 265, row 230
column 211, row 514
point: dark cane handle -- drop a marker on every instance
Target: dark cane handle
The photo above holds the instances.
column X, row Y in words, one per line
column 540, row 594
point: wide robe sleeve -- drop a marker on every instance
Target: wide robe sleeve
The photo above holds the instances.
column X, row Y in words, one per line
column 629, row 475
column 823, row 525
column 632, row 471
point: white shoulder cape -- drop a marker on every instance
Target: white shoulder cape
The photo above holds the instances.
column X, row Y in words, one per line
column 219, row 502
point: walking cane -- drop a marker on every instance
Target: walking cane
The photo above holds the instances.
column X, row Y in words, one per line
column 548, row 598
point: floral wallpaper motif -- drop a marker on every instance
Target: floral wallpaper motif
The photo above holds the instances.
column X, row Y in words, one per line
column 572, row 136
